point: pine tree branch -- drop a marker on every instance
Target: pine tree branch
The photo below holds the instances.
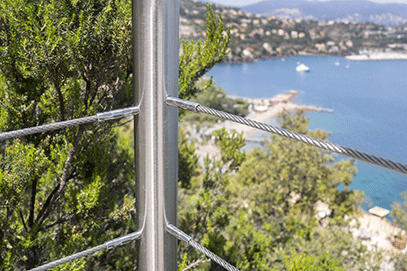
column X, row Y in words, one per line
column 194, row 264
column 22, row 220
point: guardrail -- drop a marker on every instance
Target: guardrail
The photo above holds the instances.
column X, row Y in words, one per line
column 155, row 56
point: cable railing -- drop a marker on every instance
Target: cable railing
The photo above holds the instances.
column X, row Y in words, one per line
column 378, row 161
column 155, row 67
column 120, row 241
column 105, row 116
column 194, row 107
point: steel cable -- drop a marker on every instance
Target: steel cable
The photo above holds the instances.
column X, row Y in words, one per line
column 212, row 256
column 115, row 114
column 110, row 244
column 182, row 236
column 196, row 107
column 47, row 127
column 70, row 258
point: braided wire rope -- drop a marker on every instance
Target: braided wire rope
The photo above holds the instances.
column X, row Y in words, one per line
column 196, row 107
column 47, row 127
column 115, row 114
column 70, row 258
column 212, row 256
column 110, row 244
column 182, row 236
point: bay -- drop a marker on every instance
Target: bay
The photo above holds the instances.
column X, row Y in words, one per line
column 370, row 103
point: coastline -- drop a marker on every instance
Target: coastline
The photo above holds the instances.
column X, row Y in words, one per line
column 268, row 109
column 377, row 57
column 262, row 110
column 249, row 133
column 227, row 61
column 264, row 117
column 354, row 57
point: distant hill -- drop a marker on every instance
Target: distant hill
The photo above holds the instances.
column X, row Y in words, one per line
column 390, row 14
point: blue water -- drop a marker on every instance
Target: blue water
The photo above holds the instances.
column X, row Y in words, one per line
column 370, row 103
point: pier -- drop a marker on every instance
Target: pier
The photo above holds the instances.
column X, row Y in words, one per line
column 262, row 105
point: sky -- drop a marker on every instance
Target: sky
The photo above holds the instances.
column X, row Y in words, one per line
column 248, row 2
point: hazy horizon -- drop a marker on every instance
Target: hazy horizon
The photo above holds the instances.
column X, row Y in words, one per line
column 248, row 2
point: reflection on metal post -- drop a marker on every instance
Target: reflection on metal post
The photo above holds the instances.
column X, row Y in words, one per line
column 155, row 54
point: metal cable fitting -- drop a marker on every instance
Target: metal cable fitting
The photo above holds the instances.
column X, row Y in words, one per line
column 296, row 136
column 187, row 105
column 118, row 114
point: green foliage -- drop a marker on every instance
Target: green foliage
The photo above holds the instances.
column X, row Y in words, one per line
column 399, row 212
column 184, row 262
column 400, row 261
column 230, row 153
column 202, row 211
column 67, row 59
column 271, row 193
column 63, row 60
column 199, row 58
column 187, row 160
column 214, row 97
column 276, row 189
column 304, row 262
column 195, row 60
column 297, row 122
column 399, row 215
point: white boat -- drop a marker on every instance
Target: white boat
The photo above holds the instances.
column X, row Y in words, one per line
column 347, row 66
column 337, row 63
column 302, row 68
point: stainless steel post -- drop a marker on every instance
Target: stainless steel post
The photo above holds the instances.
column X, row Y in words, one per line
column 155, row 53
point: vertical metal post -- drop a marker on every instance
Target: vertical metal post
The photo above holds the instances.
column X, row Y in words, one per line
column 155, row 53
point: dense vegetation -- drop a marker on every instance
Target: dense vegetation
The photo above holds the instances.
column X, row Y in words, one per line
column 67, row 59
column 63, row 60
column 259, row 208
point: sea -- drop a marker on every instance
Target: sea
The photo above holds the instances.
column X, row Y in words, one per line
column 370, row 103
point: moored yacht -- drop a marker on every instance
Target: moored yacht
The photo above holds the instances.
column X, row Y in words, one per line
column 302, row 68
